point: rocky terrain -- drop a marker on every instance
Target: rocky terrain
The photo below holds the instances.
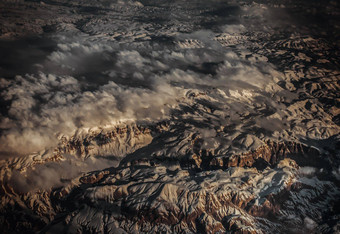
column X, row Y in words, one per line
column 169, row 116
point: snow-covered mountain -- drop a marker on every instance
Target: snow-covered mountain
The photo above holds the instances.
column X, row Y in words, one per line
column 169, row 116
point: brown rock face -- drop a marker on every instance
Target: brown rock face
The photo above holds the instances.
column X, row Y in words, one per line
column 267, row 155
column 117, row 141
column 93, row 178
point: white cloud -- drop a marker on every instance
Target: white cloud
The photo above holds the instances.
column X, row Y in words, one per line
column 45, row 105
column 307, row 171
column 310, row 224
column 135, row 84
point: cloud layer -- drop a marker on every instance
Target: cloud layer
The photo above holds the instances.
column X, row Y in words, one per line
column 84, row 84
